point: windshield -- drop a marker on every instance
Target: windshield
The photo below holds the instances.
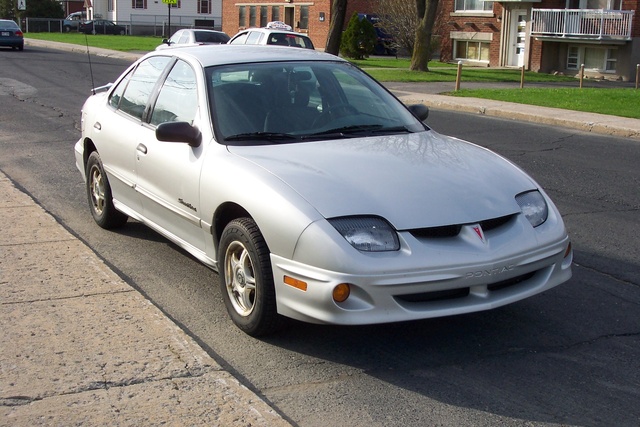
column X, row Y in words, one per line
column 280, row 102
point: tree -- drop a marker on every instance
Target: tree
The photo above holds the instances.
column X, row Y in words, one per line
column 398, row 18
column 44, row 9
column 359, row 39
column 7, row 9
column 338, row 15
column 427, row 12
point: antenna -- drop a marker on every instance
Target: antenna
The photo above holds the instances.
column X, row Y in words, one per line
column 93, row 86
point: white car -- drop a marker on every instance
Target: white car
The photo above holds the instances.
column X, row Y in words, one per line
column 274, row 34
column 189, row 37
column 313, row 191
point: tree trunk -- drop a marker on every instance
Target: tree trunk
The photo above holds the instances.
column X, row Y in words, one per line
column 338, row 14
column 427, row 11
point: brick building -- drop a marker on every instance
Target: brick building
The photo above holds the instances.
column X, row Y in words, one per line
column 310, row 17
column 544, row 35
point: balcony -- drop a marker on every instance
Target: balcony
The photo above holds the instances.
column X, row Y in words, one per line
column 582, row 24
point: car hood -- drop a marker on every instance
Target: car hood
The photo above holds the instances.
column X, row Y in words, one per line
column 416, row 180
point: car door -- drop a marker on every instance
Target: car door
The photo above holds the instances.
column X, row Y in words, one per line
column 119, row 131
column 169, row 172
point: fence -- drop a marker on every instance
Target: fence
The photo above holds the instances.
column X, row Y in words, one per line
column 140, row 25
column 587, row 23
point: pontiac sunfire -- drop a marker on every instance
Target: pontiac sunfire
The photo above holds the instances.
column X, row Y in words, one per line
column 313, row 191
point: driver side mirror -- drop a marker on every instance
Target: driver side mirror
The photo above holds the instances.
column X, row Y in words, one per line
column 179, row 132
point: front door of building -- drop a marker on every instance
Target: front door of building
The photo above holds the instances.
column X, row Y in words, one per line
column 289, row 16
column 517, row 37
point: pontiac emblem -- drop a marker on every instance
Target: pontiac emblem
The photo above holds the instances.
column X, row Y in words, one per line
column 479, row 232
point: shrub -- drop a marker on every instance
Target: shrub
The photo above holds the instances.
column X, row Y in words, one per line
column 359, row 39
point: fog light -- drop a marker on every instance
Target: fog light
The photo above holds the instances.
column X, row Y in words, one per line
column 341, row 292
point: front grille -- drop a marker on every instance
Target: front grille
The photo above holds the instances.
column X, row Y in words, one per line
column 453, row 230
column 510, row 282
column 453, row 294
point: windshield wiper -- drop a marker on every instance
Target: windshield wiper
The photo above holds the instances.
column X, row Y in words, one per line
column 261, row 136
column 358, row 130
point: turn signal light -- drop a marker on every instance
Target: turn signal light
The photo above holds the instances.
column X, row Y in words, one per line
column 341, row 292
column 298, row 284
column 568, row 251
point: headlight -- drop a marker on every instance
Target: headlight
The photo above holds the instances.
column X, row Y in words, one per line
column 533, row 206
column 367, row 234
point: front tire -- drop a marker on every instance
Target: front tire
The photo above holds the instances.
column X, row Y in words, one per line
column 99, row 195
column 246, row 278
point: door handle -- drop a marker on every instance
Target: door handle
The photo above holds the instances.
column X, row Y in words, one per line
column 142, row 148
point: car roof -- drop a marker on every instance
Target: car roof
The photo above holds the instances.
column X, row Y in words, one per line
column 273, row 30
column 223, row 54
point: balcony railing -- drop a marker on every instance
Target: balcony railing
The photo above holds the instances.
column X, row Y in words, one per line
column 597, row 24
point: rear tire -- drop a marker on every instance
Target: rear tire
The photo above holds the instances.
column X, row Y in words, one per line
column 246, row 279
column 99, row 195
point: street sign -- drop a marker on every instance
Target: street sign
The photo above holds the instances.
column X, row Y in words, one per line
column 22, row 4
column 170, row 1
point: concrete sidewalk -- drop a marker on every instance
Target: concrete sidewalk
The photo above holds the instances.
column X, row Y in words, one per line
column 79, row 346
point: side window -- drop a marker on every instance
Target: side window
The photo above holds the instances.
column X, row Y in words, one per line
column 116, row 95
column 254, row 37
column 178, row 99
column 141, row 84
column 174, row 38
column 184, row 38
column 241, row 39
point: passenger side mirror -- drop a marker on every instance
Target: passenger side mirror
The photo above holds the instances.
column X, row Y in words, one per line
column 421, row 111
column 179, row 132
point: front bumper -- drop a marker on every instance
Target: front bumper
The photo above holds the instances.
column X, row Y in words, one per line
column 382, row 297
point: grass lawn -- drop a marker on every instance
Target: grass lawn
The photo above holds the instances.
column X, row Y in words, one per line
column 615, row 102
column 120, row 43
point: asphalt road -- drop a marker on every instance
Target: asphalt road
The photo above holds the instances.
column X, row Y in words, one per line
column 570, row 356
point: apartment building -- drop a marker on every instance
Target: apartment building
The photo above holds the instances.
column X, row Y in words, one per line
column 545, row 35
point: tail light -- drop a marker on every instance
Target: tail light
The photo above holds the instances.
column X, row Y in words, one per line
column 19, row 33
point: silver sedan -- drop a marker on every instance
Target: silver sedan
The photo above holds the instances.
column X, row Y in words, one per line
column 313, row 191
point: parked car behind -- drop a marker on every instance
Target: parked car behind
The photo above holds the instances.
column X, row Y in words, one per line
column 275, row 33
column 313, row 191
column 11, row 35
column 72, row 22
column 188, row 37
column 101, row 26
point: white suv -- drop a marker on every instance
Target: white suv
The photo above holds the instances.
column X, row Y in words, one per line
column 275, row 33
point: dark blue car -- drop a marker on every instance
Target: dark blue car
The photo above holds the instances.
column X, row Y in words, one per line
column 11, row 35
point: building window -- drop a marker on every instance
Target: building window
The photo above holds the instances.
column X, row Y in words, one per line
column 594, row 58
column 263, row 16
column 139, row 4
column 176, row 5
column 110, row 6
column 204, row 7
column 473, row 5
column 252, row 16
column 275, row 13
column 573, row 58
column 611, row 60
column 471, row 50
column 241, row 16
column 304, row 17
